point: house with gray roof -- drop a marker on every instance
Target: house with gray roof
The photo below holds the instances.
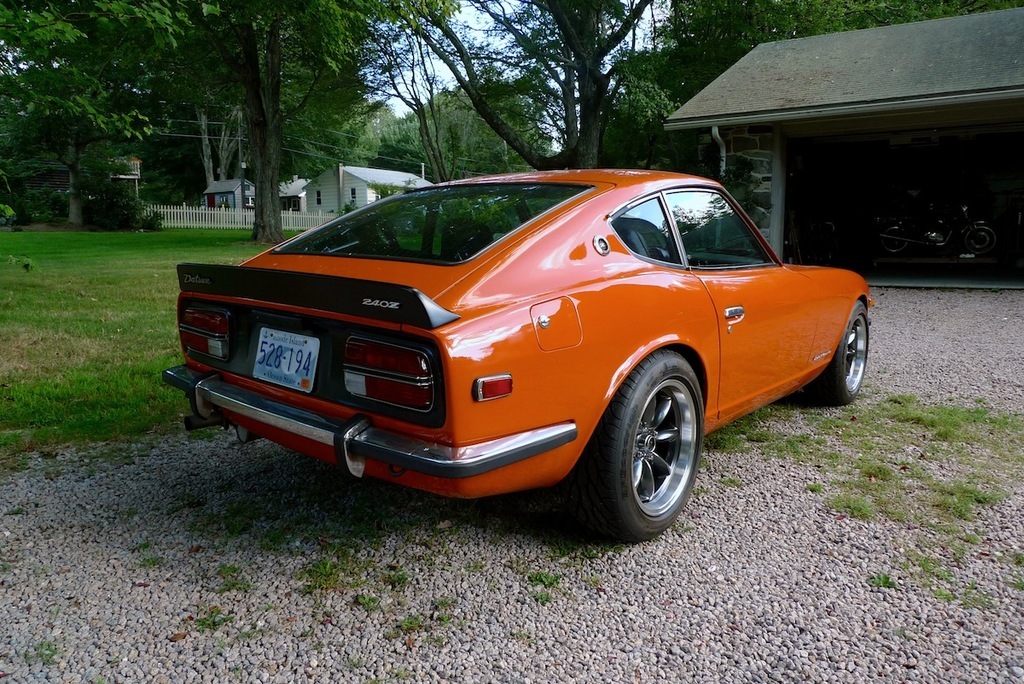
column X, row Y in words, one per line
column 227, row 194
column 343, row 188
column 832, row 127
column 292, row 194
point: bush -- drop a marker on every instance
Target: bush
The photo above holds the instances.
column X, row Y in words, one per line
column 113, row 206
column 151, row 221
column 42, row 206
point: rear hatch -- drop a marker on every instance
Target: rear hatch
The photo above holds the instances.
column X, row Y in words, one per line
column 336, row 339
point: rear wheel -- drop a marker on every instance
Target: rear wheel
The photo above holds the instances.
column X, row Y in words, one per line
column 893, row 239
column 639, row 467
column 841, row 380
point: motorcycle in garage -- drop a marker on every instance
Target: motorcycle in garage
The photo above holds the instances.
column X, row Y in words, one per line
column 952, row 231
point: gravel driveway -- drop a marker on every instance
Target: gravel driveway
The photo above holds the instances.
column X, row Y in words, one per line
column 195, row 559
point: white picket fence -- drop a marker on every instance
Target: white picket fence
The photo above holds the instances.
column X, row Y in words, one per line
column 243, row 219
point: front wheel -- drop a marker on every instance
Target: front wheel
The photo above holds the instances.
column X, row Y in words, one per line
column 840, row 382
column 638, row 469
column 979, row 238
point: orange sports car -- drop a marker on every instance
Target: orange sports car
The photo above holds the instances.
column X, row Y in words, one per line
column 512, row 332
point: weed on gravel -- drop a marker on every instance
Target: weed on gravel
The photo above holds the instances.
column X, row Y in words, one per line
column 926, row 467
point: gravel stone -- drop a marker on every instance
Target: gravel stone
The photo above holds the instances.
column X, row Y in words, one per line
column 116, row 561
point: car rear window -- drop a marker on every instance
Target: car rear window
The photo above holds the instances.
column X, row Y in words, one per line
column 442, row 224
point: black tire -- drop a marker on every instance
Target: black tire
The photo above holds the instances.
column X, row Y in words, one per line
column 639, row 466
column 840, row 382
column 979, row 238
column 892, row 240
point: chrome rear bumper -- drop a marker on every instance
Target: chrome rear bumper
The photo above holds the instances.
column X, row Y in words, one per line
column 357, row 439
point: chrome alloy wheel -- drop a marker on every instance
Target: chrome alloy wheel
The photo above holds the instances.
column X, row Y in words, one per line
column 856, row 353
column 665, row 448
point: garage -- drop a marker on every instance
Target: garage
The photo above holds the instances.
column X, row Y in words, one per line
column 896, row 151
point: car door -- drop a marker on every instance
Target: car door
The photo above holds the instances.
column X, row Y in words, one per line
column 766, row 325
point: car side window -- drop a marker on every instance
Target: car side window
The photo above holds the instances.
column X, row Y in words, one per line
column 713, row 234
column 645, row 231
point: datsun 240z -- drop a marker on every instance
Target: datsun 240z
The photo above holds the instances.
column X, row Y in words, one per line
column 514, row 332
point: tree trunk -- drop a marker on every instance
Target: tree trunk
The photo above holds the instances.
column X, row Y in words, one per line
column 229, row 143
column 265, row 148
column 266, row 127
column 204, row 146
column 592, row 96
column 75, row 204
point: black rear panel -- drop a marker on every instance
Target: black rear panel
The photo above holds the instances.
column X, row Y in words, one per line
column 364, row 298
column 329, row 382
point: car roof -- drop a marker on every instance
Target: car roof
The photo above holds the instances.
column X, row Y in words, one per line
column 616, row 177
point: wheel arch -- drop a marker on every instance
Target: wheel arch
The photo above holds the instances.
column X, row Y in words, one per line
column 687, row 351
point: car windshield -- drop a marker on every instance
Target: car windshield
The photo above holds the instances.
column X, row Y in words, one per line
column 442, row 224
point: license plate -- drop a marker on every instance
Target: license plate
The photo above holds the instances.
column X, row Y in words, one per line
column 287, row 359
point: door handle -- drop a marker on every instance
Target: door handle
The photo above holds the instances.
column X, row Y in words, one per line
column 734, row 314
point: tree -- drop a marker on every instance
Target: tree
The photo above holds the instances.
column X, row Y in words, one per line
column 540, row 65
column 404, row 69
column 67, row 68
column 453, row 138
column 268, row 46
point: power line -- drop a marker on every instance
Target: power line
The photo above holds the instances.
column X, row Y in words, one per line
column 349, row 151
column 343, row 150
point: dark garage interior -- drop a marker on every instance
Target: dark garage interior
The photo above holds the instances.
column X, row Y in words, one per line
column 909, row 203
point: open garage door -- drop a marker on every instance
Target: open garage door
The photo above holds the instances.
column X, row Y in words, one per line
column 944, row 203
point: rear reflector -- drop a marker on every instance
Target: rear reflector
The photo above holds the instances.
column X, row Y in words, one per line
column 492, row 387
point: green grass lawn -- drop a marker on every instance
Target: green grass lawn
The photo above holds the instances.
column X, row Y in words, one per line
column 86, row 330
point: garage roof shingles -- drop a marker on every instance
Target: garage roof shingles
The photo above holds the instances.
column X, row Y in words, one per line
column 973, row 54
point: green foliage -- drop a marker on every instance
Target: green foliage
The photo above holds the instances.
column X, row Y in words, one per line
column 960, row 499
column 42, row 206
column 113, row 206
column 854, row 505
column 68, row 22
column 544, row 579
column 148, row 559
column 232, row 579
column 882, row 581
column 22, row 261
column 323, row 575
column 396, row 577
column 368, row 602
column 212, row 618
column 44, row 652
column 413, row 623
column 507, row 57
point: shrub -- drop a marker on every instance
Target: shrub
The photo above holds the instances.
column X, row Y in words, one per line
column 42, row 206
column 113, row 206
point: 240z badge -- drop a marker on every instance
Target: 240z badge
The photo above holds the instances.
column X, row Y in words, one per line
column 381, row 303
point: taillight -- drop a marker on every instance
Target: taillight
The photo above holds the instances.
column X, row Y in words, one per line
column 207, row 331
column 388, row 373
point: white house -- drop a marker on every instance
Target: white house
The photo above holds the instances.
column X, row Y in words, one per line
column 342, row 188
column 293, row 194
